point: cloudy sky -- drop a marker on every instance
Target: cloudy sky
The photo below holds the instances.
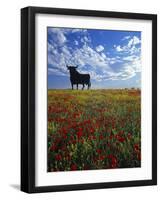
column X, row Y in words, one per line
column 112, row 58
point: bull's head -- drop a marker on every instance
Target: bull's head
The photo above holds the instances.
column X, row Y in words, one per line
column 71, row 67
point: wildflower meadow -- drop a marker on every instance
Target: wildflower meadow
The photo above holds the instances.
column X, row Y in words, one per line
column 94, row 129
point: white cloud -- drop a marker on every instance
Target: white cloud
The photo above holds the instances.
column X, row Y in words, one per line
column 125, row 73
column 130, row 46
column 86, row 39
column 126, row 37
column 76, row 42
column 98, row 64
column 61, row 38
column 129, row 58
column 78, row 30
column 66, row 51
column 134, row 61
column 90, row 59
column 99, row 48
column 118, row 48
column 113, row 60
column 134, row 41
column 103, row 55
column 136, row 64
column 83, row 57
column 57, row 35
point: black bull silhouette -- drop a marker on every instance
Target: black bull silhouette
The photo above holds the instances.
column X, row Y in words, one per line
column 76, row 78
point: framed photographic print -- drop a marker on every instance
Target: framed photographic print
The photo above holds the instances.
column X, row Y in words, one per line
column 88, row 99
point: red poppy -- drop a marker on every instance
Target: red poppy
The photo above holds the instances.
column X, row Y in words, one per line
column 109, row 156
column 111, row 137
column 53, row 148
column 121, row 139
column 73, row 167
column 136, row 147
column 101, row 157
column 80, row 129
column 64, row 137
column 113, row 160
column 139, row 156
column 98, row 151
column 92, row 130
column 58, row 157
column 101, row 137
column 90, row 137
column 94, row 137
column 79, row 134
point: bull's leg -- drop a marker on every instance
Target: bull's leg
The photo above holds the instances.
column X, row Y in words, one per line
column 77, row 86
column 83, row 87
column 72, row 85
column 89, row 85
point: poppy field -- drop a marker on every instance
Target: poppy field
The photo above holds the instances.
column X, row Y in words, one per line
column 94, row 129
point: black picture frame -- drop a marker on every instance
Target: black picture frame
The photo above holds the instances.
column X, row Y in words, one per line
column 28, row 98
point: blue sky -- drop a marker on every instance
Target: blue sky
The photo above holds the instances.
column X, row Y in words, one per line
column 112, row 58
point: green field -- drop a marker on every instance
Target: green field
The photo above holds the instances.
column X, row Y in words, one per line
column 94, row 129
